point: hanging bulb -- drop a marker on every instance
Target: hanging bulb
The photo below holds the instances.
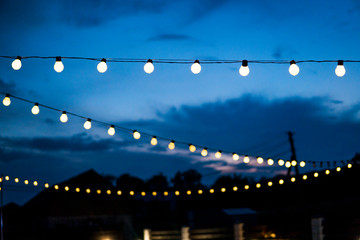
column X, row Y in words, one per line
column 111, row 130
column 154, row 141
column 35, row 109
column 294, row 69
column 302, row 164
column 260, row 160
column 204, row 152
column 171, row 145
column 136, row 134
column 102, row 66
column 58, row 66
column 149, row 66
column 349, row 165
column 244, row 69
column 288, row 164
column 340, row 69
column 7, row 100
column 218, row 154
column 63, row 117
column 246, row 159
column 235, row 156
column 192, row 148
column 270, row 161
column 281, row 162
column 196, row 67
column 16, row 64
column 87, row 124
column 294, row 163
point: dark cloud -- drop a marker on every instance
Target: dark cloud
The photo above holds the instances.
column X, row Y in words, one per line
column 171, row 37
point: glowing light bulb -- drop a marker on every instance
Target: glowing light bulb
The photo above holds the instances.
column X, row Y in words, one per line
column 294, row 163
column 235, row 189
column 35, row 109
column 270, row 184
column 154, row 141
column 88, row 190
column 200, row 192
column 16, row 64
column 281, row 182
column 87, row 124
column 204, row 152
column 77, row 189
column 218, row 154
column 211, row 190
column 223, row 189
column 260, row 160
column 196, row 67
column 26, row 182
column 188, row 192
column 98, row 191
column 143, row 193
column 58, row 66
column 108, row 192
column 258, row 185
column 288, row 164
column 293, row 179
column 7, row 100
column 119, row 192
column 244, row 69
column 294, row 69
column 246, row 187
column 340, row 69
column 63, row 117
column 270, row 161
column 236, row 156
column 66, row 188
column 35, row 183
column 304, row 177
column 16, row 180
column 166, row 193
column 177, row 193
column 349, row 165
column 136, row 134
column 316, row 174
column 192, row 148
column 132, row 193
column 171, row 145
column 7, row 178
column 281, row 162
column 327, row 172
column 246, row 159
column 102, row 66
column 46, row 185
column 111, row 130
column 149, row 66
column 56, row 187
column 302, row 164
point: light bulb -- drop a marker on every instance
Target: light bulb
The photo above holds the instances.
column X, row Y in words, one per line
column 16, row 64
column 258, row 185
column 192, row 148
column 260, row 160
column 246, row 187
column 218, row 154
column 288, row 164
column 149, row 67
column 293, row 179
column 171, row 145
column 196, row 67
column 338, row 169
column 305, row 177
column 102, row 66
column 136, row 134
column 327, row 172
column 204, row 152
column 35, row 109
column 270, row 184
column 302, row 164
column 270, row 161
column 281, row 162
column 349, row 165
column 87, row 124
column 293, row 163
column 63, row 117
column 244, row 69
column 7, row 100
column 154, row 141
column 111, row 130
column 294, row 69
column 235, row 156
column 58, row 66
column 316, row 174
column 246, row 159
column 340, row 69
column 281, row 181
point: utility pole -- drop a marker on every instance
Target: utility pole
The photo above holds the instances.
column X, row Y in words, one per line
column 293, row 155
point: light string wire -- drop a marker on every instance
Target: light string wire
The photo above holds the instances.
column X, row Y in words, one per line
column 246, row 158
column 170, row 191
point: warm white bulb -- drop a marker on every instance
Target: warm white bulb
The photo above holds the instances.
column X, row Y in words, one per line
column 154, row 141
column 136, row 135
column 149, row 67
column 196, row 67
column 102, row 66
column 35, row 109
column 64, row 117
column 340, row 69
column 302, row 164
column 7, row 101
column 218, row 154
column 192, row 148
column 204, row 152
column 111, row 130
column 246, row 159
column 281, row 162
column 171, row 145
column 244, row 69
column 288, row 164
column 270, row 162
column 294, row 69
column 260, row 160
column 236, row 156
column 87, row 124
column 293, row 163
column 58, row 66
column 16, row 64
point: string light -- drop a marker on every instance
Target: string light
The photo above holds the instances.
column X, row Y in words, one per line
column 119, row 192
column 171, row 145
column 211, row 190
column 305, row 177
column 246, row 159
column 270, row 184
column 35, row 109
column 7, row 100
column 87, row 124
column 88, row 191
column 192, row 148
column 204, row 152
column 218, row 154
column 244, row 69
column 16, row 180
column 56, row 187
column 293, row 69
column 293, row 163
column 235, row 156
column 154, row 141
column 46, row 185
column 108, row 192
column 293, row 179
column 166, row 193
column 177, row 193
column 16, row 64
column 260, row 160
column 77, row 189
column 111, row 130
column 349, row 165
column 136, row 134
column 196, row 67
column 154, row 193
column 149, row 66
column 258, row 185
column 200, row 191
column 143, row 193
column 281, row 162
column 281, row 181
column 340, row 69
column 63, row 117
column 327, row 172
column 338, row 169
column 223, row 189
column 102, row 66
column 66, row 188
column 270, row 162
column 316, row 174
column 188, row 192
column 7, row 178
column 288, row 164
column 246, row 187
column 35, row 183
column 235, row 189
column 98, row 191
column 302, row 164
column 58, row 66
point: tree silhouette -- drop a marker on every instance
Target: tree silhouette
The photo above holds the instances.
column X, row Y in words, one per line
column 230, row 181
column 130, row 183
column 157, row 182
column 189, row 179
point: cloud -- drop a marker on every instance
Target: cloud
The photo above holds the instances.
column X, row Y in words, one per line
column 171, row 37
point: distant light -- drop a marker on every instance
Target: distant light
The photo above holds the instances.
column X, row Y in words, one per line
column 98, row 191
column 270, row 162
column 192, row 148
column 244, row 69
column 108, row 192
column 246, row 187
column 235, row 189
column 143, row 193
column 302, row 164
column 136, row 134
column 149, row 66
column 88, row 190
column 87, row 124
column 293, row 179
column 338, row 169
column 166, row 193
column 200, row 191
column 35, row 183
column 235, row 156
column 211, row 190
column 35, row 109
column 171, row 145
column 304, row 177
column 7, row 178
column 340, row 69
column 26, row 182
column 327, row 172
column 204, row 152
column 119, row 192
column 102, row 66
column 177, row 193
column 294, row 69
column 281, row 162
column 58, row 66
column 223, row 189
column 111, row 130
column 46, row 185
column 246, row 159
column 132, row 193
column 154, row 141
column 281, row 181
column 77, row 189
column 154, row 193
column 16, row 64
column 196, row 68
column 349, row 165
column 270, row 184
column 316, row 174
column 16, row 180
column 66, row 188
column 7, row 100
column 56, row 186
column 188, row 192
column 258, row 185
column 293, row 163
column 63, row 117
column 260, row 160
column 288, row 164
column 218, row 154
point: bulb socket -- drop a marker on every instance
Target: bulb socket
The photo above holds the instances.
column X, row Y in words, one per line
column 112, row 126
column 244, row 63
column 149, row 61
column 103, row 60
column 36, row 104
column 88, row 120
column 172, row 141
column 18, row 57
column 197, row 61
column 292, row 62
column 58, row 59
column 340, row 62
column 154, row 137
column 64, row 112
column 7, row 95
